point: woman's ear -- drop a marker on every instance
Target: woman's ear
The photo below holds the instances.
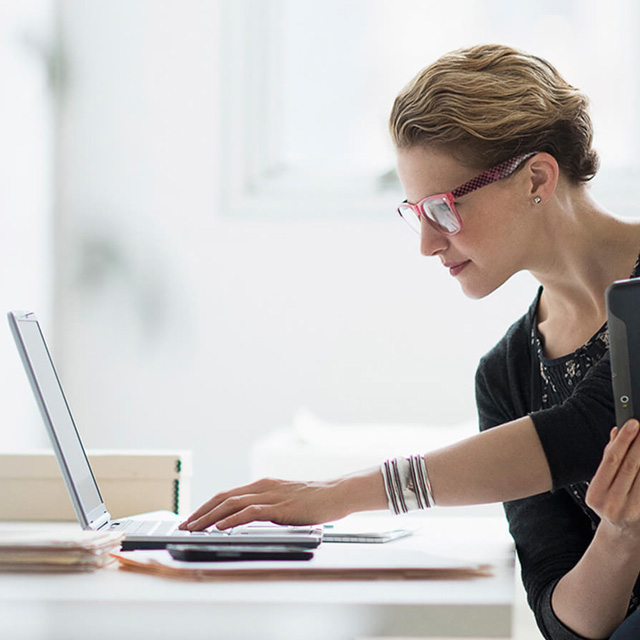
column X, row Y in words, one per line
column 543, row 173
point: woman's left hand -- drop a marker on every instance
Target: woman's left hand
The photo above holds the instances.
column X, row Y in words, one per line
column 278, row 501
column 292, row 503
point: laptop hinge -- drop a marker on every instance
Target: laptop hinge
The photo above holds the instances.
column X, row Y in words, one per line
column 102, row 521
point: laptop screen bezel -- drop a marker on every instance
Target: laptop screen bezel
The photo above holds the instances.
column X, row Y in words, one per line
column 97, row 516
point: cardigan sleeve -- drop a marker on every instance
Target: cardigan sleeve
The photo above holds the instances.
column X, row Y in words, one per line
column 574, row 434
column 550, row 531
column 551, row 535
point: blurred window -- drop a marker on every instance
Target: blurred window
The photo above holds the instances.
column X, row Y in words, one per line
column 308, row 87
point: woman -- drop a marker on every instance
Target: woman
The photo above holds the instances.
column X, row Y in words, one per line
column 494, row 154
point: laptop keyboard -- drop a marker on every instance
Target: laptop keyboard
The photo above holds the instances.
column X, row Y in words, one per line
column 145, row 527
column 158, row 528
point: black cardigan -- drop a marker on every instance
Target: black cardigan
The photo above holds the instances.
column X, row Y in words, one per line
column 551, row 530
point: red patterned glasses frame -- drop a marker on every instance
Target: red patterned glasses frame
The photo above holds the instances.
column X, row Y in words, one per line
column 440, row 210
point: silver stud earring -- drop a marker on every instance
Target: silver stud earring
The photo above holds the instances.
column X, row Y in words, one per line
column 537, row 200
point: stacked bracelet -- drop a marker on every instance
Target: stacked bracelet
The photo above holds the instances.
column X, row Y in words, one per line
column 407, row 484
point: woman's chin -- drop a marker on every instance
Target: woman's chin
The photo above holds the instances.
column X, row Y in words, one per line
column 477, row 290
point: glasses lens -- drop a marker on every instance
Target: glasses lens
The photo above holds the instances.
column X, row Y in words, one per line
column 439, row 212
column 410, row 217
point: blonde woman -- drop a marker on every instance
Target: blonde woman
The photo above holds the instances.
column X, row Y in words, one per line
column 494, row 154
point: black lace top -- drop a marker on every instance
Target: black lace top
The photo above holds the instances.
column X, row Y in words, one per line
column 558, row 379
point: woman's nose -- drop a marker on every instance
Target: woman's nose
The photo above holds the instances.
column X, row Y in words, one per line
column 431, row 240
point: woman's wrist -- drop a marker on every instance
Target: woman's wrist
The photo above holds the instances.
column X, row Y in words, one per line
column 623, row 542
column 361, row 491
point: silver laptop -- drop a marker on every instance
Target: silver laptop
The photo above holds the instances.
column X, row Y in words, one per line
column 80, row 481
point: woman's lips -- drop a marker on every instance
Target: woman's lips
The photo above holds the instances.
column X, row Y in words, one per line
column 456, row 267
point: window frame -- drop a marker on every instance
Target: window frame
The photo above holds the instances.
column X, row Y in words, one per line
column 253, row 181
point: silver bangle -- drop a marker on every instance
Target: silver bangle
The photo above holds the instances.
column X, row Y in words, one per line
column 407, row 484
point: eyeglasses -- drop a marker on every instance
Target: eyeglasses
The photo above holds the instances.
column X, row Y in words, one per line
column 440, row 210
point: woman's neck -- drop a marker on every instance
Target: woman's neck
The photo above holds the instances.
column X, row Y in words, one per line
column 581, row 249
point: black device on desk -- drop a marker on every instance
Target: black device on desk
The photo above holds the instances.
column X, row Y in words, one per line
column 623, row 312
column 235, row 553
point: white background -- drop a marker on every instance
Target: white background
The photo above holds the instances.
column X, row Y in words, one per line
column 180, row 323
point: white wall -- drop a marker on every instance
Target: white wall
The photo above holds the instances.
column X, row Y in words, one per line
column 179, row 327
column 25, row 203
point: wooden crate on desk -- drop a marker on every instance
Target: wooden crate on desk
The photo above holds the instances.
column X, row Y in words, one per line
column 130, row 481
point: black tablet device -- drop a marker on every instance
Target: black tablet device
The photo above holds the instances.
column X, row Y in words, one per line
column 236, row 553
column 623, row 312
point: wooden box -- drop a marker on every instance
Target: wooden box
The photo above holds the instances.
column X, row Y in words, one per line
column 130, row 481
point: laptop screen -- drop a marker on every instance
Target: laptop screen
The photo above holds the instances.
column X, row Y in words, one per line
column 55, row 411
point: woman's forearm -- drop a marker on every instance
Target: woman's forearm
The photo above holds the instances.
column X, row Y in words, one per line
column 500, row 464
column 593, row 598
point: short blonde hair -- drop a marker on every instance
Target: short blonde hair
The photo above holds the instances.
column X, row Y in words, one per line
column 492, row 102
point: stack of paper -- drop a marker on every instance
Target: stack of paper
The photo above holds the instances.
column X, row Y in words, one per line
column 333, row 562
column 32, row 550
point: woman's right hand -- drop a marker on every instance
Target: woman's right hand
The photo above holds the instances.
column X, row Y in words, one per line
column 593, row 598
column 614, row 491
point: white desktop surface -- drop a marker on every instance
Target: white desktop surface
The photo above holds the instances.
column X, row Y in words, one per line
column 111, row 603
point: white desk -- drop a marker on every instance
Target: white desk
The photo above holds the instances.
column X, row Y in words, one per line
column 110, row 603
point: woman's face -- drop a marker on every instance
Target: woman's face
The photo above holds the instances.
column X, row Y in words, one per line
column 489, row 248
